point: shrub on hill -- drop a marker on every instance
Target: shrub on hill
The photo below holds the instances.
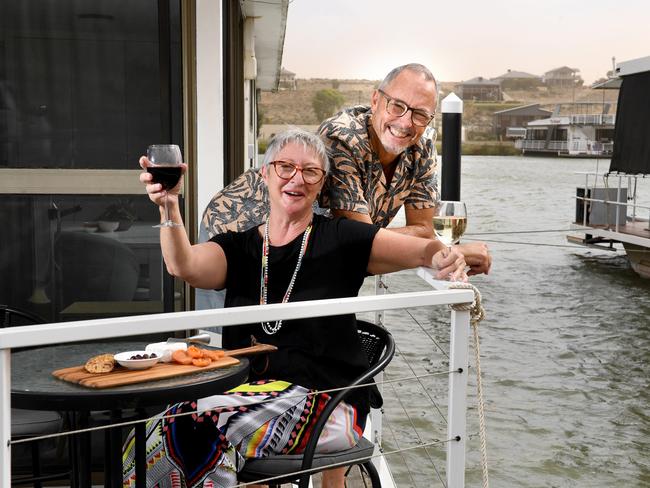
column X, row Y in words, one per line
column 326, row 102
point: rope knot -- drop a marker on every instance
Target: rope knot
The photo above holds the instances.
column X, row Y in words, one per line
column 476, row 310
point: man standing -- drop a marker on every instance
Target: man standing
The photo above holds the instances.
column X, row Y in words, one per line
column 384, row 157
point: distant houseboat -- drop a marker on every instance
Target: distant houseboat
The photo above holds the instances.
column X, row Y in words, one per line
column 583, row 129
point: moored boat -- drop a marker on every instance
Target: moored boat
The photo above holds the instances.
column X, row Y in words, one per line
column 581, row 129
column 609, row 213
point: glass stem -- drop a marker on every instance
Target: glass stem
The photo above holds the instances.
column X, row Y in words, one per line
column 166, row 209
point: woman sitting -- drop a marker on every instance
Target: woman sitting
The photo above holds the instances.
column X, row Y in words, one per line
column 294, row 256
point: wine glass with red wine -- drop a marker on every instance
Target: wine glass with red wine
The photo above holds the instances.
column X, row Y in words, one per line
column 166, row 162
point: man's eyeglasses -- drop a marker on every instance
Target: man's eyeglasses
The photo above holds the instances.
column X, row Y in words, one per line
column 398, row 109
column 287, row 170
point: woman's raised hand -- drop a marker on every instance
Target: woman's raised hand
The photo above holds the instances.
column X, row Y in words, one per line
column 156, row 191
column 450, row 264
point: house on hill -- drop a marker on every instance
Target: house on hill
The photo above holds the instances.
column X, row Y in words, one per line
column 563, row 77
column 517, row 117
column 287, row 80
column 481, row 90
column 518, row 80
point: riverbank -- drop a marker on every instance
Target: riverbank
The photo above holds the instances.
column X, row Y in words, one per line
column 485, row 148
column 470, row 148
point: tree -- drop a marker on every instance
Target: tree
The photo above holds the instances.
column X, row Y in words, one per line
column 326, row 102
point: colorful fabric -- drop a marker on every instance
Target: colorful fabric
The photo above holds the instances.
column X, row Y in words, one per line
column 208, row 440
column 356, row 181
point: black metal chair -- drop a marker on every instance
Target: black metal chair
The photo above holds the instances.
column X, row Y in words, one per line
column 379, row 346
column 29, row 423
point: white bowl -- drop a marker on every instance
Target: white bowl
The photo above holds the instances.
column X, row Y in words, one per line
column 108, row 225
column 123, row 359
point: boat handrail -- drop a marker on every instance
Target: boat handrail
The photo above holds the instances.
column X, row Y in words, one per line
column 611, row 202
column 53, row 333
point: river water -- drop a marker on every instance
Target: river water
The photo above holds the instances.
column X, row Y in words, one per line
column 565, row 346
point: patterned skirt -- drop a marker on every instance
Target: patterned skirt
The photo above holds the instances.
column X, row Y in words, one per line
column 205, row 443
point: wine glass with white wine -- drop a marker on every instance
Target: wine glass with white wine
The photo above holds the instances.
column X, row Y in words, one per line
column 450, row 221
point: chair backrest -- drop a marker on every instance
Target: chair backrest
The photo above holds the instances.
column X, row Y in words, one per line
column 379, row 346
column 10, row 317
column 95, row 268
column 374, row 340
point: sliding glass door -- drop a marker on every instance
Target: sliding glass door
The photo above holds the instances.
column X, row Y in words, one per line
column 85, row 86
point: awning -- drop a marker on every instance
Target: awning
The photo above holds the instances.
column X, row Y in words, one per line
column 631, row 154
column 270, row 20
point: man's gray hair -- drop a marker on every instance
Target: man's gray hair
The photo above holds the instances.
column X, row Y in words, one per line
column 416, row 67
column 295, row 135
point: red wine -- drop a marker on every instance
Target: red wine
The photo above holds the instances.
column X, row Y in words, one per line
column 167, row 176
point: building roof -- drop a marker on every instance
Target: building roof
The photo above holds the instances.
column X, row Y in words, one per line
column 286, row 72
column 563, row 69
column 531, row 109
column 479, row 80
column 608, row 84
column 550, row 121
column 516, row 75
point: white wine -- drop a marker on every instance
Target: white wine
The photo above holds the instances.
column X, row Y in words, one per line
column 449, row 229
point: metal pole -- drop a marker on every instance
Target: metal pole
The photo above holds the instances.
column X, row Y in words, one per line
column 452, row 116
column 618, row 199
column 376, row 415
column 5, row 417
column 380, row 289
column 457, row 414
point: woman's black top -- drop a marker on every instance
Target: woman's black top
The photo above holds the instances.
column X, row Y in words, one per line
column 320, row 352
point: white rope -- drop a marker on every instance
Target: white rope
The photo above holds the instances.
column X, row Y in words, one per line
column 476, row 314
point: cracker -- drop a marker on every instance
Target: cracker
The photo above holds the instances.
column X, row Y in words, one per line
column 104, row 363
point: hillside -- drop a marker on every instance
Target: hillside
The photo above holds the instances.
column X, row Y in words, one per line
column 295, row 108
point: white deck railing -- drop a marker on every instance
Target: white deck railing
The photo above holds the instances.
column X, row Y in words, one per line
column 593, row 119
column 631, row 181
column 56, row 333
column 593, row 148
column 538, row 145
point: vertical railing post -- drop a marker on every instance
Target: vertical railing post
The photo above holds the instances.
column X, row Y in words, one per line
column 457, row 410
column 376, row 415
column 380, row 289
column 5, row 417
column 618, row 201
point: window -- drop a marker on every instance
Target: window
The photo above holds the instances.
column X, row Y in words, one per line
column 84, row 86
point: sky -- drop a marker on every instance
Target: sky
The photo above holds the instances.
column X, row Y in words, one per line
column 458, row 40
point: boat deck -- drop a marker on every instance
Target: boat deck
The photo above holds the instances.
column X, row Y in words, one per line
column 632, row 232
column 639, row 228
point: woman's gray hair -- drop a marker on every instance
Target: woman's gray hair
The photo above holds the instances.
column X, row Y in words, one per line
column 294, row 135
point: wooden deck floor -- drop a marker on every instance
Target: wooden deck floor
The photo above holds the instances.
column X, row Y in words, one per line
column 639, row 228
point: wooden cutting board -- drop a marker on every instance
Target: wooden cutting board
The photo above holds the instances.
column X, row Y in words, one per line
column 121, row 376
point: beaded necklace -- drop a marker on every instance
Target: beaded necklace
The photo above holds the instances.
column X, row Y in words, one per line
column 264, row 278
